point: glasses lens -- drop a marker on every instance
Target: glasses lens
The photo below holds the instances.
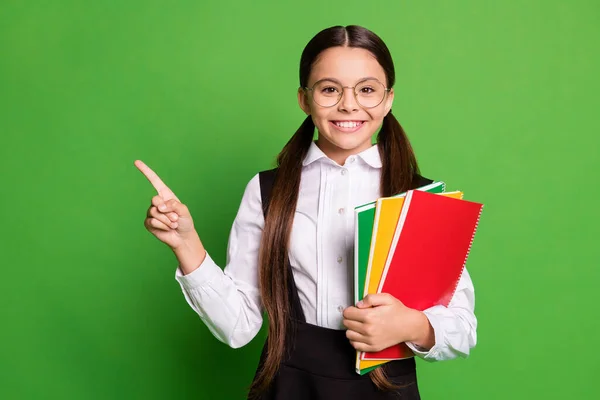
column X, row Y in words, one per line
column 327, row 93
column 370, row 93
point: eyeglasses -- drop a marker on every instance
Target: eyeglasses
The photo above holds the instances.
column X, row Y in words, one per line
column 368, row 93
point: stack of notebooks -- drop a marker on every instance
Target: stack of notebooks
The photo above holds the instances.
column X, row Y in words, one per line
column 413, row 246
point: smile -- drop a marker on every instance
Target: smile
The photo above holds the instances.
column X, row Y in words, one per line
column 347, row 126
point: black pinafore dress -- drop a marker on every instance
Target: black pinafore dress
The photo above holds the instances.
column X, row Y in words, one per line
column 319, row 362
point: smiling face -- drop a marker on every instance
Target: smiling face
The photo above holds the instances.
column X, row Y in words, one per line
column 347, row 127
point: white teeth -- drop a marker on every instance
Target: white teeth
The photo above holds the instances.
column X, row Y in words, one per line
column 347, row 124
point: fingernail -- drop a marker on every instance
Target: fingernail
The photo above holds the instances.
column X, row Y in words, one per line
column 359, row 304
column 162, row 207
column 174, row 225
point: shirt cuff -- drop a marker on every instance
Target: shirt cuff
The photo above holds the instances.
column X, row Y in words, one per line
column 434, row 352
column 206, row 272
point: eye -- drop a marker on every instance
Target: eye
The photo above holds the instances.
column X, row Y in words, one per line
column 366, row 90
column 329, row 90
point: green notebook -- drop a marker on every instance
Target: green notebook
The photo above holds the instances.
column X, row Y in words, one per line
column 364, row 218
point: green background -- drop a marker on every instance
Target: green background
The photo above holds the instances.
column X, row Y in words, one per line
column 500, row 100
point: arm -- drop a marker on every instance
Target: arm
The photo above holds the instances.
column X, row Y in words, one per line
column 228, row 301
column 449, row 332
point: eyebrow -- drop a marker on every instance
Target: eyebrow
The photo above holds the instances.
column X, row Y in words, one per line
column 337, row 81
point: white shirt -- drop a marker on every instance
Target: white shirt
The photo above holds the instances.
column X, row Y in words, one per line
column 321, row 256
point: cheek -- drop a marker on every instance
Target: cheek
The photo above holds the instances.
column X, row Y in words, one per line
column 376, row 117
column 377, row 114
column 321, row 118
column 320, row 113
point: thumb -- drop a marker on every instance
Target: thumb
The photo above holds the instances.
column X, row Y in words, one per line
column 374, row 300
column 174, row 206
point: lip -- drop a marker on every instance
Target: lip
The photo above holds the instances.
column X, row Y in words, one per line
column 347, row 130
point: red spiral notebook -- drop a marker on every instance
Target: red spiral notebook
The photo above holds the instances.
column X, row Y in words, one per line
column 428, row 254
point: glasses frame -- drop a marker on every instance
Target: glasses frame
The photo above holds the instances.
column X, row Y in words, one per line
column 311, row 89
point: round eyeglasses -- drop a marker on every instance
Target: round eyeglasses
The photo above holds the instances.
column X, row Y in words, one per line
column 368, row 93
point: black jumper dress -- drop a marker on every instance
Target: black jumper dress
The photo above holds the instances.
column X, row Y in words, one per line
column 319, row 362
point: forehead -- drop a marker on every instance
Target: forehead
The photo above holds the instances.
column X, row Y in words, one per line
column 346, row 64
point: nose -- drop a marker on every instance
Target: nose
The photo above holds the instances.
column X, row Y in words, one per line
column 348, row 101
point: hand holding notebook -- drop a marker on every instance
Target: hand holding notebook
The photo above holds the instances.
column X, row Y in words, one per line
column 428, row 253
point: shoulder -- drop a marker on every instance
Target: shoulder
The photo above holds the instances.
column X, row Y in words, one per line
column 266, row 180
column 262, row 178
column 251, row 196
column 258, row 191
column 250, row 206
column 267, row 176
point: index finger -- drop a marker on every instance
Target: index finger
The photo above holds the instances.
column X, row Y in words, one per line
column 354, row 314
column 159, row 185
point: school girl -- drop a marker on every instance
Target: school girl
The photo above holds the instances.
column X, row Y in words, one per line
column 291, row 245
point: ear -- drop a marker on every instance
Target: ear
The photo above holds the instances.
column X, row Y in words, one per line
column 303, row 101
column 389, row 100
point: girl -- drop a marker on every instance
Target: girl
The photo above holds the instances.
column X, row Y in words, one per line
column 290, row 249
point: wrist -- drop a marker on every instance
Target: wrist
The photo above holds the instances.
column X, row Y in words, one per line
column 190, row 254
column 422, row 330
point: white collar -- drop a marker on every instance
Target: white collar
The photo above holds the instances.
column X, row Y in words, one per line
column 369, row 156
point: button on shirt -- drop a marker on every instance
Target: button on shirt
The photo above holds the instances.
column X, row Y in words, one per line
column 321, row 255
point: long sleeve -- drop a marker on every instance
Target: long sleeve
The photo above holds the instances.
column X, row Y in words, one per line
column 455, row 326
column 228, row 300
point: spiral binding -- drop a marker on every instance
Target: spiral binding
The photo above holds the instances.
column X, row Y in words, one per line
column 468, row 250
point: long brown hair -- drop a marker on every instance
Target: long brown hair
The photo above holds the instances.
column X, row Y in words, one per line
column 399, row 168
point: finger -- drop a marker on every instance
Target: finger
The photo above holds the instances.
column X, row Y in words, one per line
column 156, row 202
column 376, row 299
column 160, row 203
column 365, row 302
column 174, row 206
column 360, row 346
column 173, row 216
column 156, row 182
column 169, row 207
column 357, row 337
column 154, row 213
column 355, row 326
column 355, row 314
column 156, row 224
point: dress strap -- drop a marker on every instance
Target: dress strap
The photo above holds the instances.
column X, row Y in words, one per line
column 267, row 180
